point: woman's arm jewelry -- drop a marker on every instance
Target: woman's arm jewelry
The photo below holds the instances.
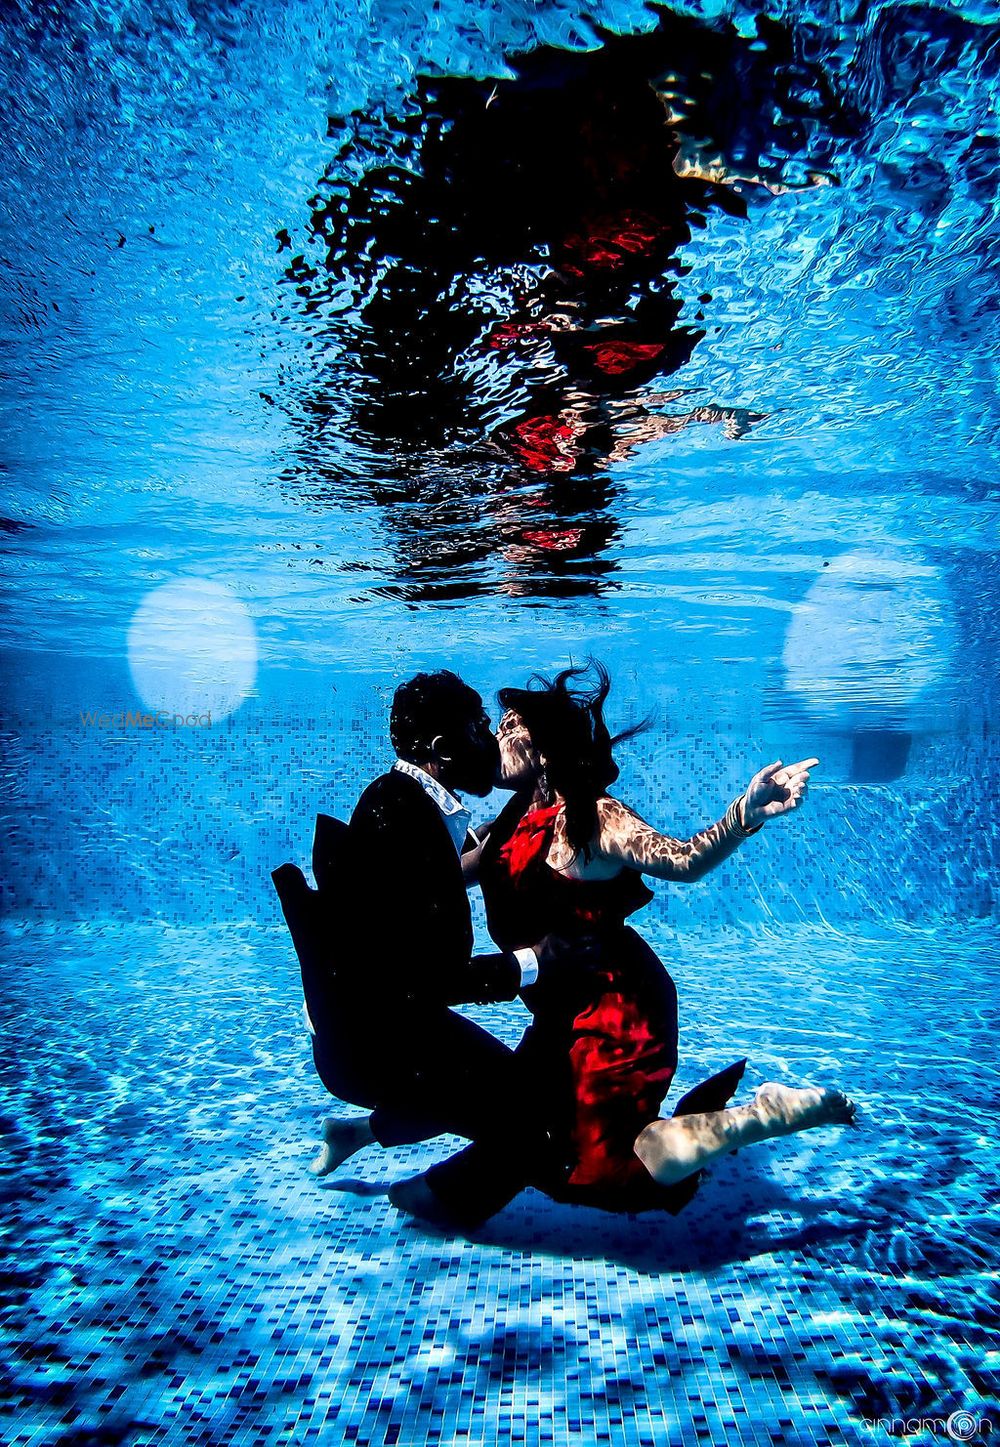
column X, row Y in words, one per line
column 738, row 810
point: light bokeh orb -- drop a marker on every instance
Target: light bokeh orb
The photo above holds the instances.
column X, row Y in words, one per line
column 872, row 636
column 192, row 649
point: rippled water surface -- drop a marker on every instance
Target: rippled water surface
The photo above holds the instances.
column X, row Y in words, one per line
column 341, row 341
column 654, row 316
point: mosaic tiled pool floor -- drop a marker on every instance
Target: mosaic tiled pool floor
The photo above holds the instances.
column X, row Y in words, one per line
column 175, row 1275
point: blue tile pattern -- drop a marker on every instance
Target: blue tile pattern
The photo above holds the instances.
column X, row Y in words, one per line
column 155, row 824
column 179, row 1277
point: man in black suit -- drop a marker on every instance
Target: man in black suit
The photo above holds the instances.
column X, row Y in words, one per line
column 386, row 950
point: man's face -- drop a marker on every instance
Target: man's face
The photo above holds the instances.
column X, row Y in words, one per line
column 475, row 755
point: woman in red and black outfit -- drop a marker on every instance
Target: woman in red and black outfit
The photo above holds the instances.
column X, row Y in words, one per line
column 567, row 859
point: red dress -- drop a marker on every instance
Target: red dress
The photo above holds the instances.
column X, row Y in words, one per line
column 604, row 1065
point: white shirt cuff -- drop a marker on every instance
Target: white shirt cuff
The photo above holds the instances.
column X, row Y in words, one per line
column 529, row 966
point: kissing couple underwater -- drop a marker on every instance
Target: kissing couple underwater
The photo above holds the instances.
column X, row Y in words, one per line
column 386, row 947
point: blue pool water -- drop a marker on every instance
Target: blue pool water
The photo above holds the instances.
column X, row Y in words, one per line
column 318, row 370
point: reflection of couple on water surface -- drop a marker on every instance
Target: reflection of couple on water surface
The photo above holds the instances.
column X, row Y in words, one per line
column 386, row 948
column 511, row 250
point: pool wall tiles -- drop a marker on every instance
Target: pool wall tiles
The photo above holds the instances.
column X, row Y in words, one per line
column 186, row 824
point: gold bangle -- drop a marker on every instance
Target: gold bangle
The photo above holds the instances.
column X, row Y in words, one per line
column 740, row 815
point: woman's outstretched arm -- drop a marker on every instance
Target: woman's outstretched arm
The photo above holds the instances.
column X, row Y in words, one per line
column 626, row 838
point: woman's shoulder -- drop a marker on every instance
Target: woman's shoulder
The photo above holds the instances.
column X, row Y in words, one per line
column 619, row 829
column 595, row 865
column 614, row 813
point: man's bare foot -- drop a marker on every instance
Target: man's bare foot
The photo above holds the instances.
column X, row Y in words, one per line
column 782, row 1109
column 341, row 1140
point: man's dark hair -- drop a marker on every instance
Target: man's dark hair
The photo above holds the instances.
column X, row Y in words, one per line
column 427, row 705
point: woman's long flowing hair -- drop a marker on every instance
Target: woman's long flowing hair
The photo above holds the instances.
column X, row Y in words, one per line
column 565, row 718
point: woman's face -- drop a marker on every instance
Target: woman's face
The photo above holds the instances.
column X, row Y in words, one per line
column 520, row 761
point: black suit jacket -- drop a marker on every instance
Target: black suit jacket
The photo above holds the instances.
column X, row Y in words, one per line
column 407, row 934
column 388, row 931
column 311, row 916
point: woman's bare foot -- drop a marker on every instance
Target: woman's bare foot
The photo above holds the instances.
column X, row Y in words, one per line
column 783, row 1109
column 341, row 1140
